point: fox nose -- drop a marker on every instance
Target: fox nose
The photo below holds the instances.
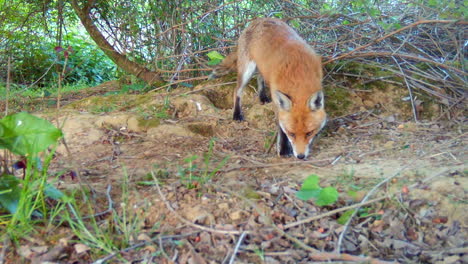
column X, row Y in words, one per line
column 301, row 156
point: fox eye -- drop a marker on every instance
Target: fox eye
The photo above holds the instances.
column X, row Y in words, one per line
column 310, row 133
column 292, row 135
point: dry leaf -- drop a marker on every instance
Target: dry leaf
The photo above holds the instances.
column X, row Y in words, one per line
column 81, row 248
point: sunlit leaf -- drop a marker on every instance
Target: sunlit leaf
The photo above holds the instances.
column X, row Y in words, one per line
column 24, row 134
column 215, row 55
column 327, row 196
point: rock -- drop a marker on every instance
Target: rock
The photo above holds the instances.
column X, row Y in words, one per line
column 262, row 116
column 192, row 105
column 144, row 237
column 165, row 131
column 198, row 214
column 133, row 124
column 117, row 121
column 236, row 215
column 79, row 131
column 389, row 144
column 368, row 104
column 223, row 206
column 204, row 129
column 81, row 248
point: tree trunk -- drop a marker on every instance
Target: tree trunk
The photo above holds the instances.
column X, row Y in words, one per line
column 121, row 60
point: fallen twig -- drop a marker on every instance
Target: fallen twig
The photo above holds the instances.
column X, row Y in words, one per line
column 329, row 213
column 389, row 35
column 315, row 254
column 234, row 253
column 369, row 194
column 141, row 244
column 259, row 166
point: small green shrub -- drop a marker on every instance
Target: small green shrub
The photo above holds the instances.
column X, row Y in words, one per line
column 311, row 189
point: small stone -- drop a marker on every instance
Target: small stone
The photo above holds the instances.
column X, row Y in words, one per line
column 133, row 124
column 223, row 206
column 81, row 248
column 143, row 237
column 369, row 103
column 389, row 144
column 236, row 215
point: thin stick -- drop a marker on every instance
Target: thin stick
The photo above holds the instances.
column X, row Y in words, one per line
column 239, row 242
column 203, row 89
column 415, row 113
column 141, row 244
column 270, row 222
column 405, row 56
column 180, row 81
column 369, row 194
column 329, row 213
column 276, row 164
column 59, row 89
column 316, row 254
column 8, row 85
column 389, row 35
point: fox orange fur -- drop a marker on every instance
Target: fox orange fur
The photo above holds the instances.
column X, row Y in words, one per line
column 292, row 70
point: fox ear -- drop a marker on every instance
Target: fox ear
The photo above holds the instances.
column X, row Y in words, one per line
column 283, row 101
column 316, row 101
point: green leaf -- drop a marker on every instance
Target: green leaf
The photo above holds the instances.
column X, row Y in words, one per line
column 146, row 183
column 310, row 188
column 311, row 183
column 345, row 217
column 307, row 194
column 54, row 193
column 295, row 24
column 327, row 196
column 213, row 62
column 186, row 84
column 24, row 134
column 9, row 193
column 352, row 193
column 215, row 55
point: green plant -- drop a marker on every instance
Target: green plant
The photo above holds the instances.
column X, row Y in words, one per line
column 118, row 230
column 215, row 58
column 163, row 111
column 191, row 176
column 260, row 253
column 27, row 136
column 362, row 213
column 311, row 189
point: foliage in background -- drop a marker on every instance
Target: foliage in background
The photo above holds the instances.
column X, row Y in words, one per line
column 29, row 34
column 181, row 39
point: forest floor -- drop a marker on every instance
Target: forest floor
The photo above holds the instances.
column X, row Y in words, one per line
column 190, row 185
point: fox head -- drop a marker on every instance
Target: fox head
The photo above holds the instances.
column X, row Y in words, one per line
column 301, row 119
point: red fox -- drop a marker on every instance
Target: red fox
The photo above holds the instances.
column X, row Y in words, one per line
column 292, row 70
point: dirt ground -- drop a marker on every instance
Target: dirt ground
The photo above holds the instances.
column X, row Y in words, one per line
column 237, row 198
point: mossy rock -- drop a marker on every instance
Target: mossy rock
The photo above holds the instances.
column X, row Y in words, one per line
column 109, row 103
column 220, row 96
column 146, row 124
column 203, row 129
column 337, row 101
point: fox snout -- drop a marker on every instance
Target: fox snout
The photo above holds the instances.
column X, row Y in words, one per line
column 301, row 156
